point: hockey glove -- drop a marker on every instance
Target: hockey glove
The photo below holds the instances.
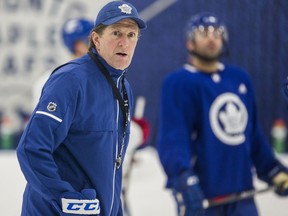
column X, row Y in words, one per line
column 279, row 178
column 75, row 203
column 188, row 195
column 281, row 182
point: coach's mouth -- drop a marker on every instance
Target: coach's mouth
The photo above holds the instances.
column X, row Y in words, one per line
column 121, row 54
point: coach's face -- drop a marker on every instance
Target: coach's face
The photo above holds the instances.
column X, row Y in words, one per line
column 117, row 43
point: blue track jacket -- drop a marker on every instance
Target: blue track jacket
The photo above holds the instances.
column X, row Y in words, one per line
column 72, row 139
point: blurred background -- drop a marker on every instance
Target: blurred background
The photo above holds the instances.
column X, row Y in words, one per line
column 31, row 44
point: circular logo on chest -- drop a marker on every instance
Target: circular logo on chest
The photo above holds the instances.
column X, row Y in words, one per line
column 228, row 119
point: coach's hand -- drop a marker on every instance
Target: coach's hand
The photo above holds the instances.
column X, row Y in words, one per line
column 188, row 195
column 281, row 182
column 78, row 203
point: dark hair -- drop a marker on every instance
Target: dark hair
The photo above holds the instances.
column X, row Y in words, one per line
column 99, row 30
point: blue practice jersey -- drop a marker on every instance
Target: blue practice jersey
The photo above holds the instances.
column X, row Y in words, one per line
column 209, row 125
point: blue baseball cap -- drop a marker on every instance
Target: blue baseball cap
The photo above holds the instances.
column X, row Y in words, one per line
column 117, row 10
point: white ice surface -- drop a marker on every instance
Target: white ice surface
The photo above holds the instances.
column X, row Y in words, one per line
column 146, row 192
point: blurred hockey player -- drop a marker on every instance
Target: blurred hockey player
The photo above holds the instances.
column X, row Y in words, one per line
column 210, row 140
column 75, row 36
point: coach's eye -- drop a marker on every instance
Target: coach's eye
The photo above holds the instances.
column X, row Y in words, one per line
column 132, row 35
column 117, row 33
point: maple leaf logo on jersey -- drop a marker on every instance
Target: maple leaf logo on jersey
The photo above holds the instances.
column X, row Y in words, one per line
column 228, row 118
column 125, row 9
column 231, row 119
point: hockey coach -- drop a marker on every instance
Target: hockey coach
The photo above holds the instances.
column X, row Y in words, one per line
column 72, row 150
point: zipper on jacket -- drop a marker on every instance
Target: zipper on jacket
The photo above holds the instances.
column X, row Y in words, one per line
column 117, row 146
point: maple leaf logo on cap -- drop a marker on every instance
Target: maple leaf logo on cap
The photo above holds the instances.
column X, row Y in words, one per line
column 125, row 8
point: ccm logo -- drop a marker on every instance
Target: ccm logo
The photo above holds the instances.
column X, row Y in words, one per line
column 88, row 207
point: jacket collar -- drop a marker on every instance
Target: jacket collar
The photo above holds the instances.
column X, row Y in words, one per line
column 113, row 72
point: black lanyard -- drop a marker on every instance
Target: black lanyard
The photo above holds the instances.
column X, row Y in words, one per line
column 122, row 102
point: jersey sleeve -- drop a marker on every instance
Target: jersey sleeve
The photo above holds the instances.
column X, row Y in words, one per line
column 45, row 131
column 177, row 119
column 262, row 154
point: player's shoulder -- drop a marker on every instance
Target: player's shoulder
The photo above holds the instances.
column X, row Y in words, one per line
column 237, row 72
column 181, row 73
column 232, row 68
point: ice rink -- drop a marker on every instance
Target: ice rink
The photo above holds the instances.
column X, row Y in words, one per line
column 146, row 192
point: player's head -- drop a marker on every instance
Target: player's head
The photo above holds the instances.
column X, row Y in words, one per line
column 75, row 30
column 205, row 21
column 200, row 29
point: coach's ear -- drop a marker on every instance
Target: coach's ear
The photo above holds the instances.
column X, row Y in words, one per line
column 95, row 38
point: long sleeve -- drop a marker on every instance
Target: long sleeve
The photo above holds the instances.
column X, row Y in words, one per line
column 47, row 128
column 177, row 119
column 262, row 153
